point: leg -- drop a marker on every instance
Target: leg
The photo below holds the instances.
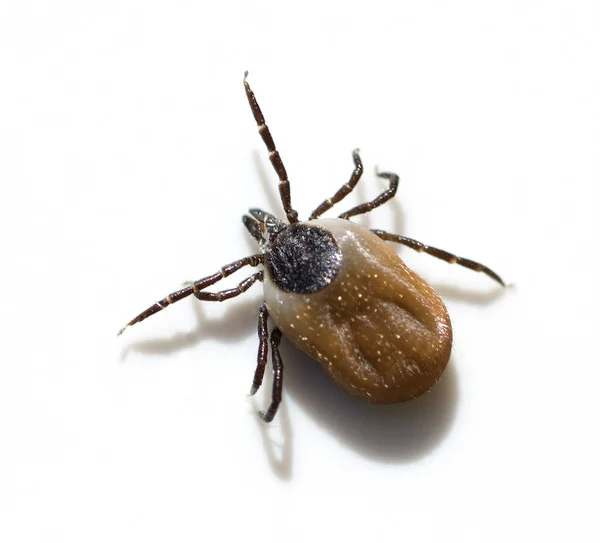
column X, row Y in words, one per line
column 263, row 349
column 195, row 287
column 263, row 130
column 380, row 200
column 268, row 415
column 230, row 292
column 344, row 191
column 439, row 253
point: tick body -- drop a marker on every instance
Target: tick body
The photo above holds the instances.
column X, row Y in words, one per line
column 377, row 328
column 340, row 293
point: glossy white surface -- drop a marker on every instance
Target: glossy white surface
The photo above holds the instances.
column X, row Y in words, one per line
column 129, row 154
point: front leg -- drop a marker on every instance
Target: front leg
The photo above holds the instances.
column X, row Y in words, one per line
column 196, row 286
column 223, row 295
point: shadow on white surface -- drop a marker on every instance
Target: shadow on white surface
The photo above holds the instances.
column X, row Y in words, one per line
column 238, row 321
column 449, row 291
column 277, row 438
column 398, row 433
column 268, row 185
column 383, row 433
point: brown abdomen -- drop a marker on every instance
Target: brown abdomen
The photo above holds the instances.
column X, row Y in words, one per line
column 378, row 329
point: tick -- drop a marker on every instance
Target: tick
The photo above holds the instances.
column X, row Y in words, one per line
column 340, row 293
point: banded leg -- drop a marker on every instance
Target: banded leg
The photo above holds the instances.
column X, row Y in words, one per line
column 263, row 130
column 380, row 200
column 439, row 253
column 230, row 292
column 263, row 349
column 195, row 287
column 268, row 415
column 342, row 192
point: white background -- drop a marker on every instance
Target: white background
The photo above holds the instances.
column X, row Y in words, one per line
column 128, row 155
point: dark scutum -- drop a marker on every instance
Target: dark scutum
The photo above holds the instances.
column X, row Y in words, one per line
column 303, row 259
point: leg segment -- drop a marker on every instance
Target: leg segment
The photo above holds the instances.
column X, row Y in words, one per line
column 380, row 200
column 230, row 292
column 439, row 253
column 263, row 130
column 268, row 415
column 263, row 349
column 344, row 191
column 195, row 287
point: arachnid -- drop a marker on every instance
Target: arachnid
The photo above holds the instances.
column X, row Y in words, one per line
column 340, row 293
